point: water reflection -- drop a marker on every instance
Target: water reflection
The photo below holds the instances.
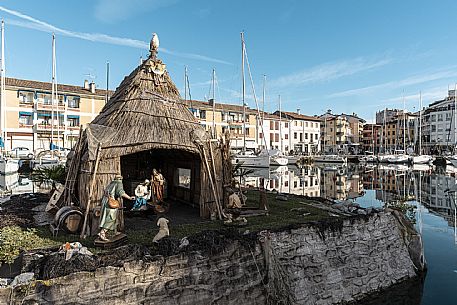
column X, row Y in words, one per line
column 432, row 190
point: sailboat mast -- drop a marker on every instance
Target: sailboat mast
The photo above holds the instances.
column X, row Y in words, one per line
column 2, row 91
column 214, row 104
column 384, row 130
column 263, row 99
column 56, row 97
column 185, row 83
column 107, row 81
column 404, row 123
column 52, row 93
column 420, row 123
column 280, row 123
column 455, row 117
column 243, row 90
column 372, row 136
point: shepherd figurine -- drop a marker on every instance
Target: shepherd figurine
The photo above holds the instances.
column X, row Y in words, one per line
column 113, row 192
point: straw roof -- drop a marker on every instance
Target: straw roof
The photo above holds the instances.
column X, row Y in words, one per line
column 144, row 113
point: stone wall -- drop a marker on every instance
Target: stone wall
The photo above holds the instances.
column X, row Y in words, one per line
column 307, row 265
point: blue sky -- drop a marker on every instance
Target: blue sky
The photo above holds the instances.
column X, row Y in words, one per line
column 348, row 56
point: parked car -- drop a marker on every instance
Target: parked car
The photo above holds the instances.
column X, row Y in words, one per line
column 21, row 152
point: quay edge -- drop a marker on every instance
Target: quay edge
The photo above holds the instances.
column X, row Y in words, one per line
column 302, row 265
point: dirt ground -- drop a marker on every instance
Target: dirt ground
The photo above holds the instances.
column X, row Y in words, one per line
column 21, row 210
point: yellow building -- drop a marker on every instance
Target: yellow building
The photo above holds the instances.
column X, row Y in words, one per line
column 227, row 117
column 341, row 133
column 29, row 119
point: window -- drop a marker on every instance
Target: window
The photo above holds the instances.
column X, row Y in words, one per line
column 433, row 117
column 276, row 125
column 25, row 97
column 295, row 135
column 286, row 183
column 286, row 125
column 73, row 101
column 276, row 137
column 25, row 118
column 306, row 124
column 272, row 125
column 202, row 114
column 247, row 131
column 440, row 117
column 286, row 136
column 306, row 135
column 295, row 123
column 315, row 136
column 301, row 137
column 183, row 177
column 261, row 135
column 73, row 121
column 433, row 127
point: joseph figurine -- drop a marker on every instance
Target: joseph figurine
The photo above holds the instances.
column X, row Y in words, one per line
column 108, row 221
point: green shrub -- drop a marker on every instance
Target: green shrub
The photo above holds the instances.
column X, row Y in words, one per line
column 49, row 175
column 13, row 240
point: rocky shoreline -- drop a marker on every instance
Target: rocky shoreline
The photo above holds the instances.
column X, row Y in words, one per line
column 334, row 261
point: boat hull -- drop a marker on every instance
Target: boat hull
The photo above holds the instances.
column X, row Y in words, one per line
column 252, row 161
column 9, row 166
column 330, row 159
column 422, row 159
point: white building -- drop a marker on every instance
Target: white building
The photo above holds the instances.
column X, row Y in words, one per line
column 438, row 125
column 303, row 133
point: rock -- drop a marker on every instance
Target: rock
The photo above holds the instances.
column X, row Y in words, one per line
column 23, row 278
column 361, row 212
column 4, row 282
column 282, row 198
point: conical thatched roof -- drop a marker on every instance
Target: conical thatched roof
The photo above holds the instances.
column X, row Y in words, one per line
column 144, row 113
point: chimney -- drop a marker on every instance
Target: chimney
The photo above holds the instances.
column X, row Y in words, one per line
column 211, row 102
column 86, row 84
column 92, row 87
column 298, row 110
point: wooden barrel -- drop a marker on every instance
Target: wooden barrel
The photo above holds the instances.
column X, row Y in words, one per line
column 69, row 219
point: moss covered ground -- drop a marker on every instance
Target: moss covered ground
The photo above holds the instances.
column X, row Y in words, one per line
column 293, row 212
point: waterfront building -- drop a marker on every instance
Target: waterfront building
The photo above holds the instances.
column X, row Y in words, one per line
column 290, row 132
column 29, row 111
column 371, row 138
column 274, row 134
column 438, row 126
column 398, row 130
column 341, row 133
column 223, row 117
column 303, row 133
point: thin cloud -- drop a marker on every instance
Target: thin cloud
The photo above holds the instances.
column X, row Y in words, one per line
column 111, row 11
column 412, row 80
column 412, row 100
column 330, row 71
column 35, row 24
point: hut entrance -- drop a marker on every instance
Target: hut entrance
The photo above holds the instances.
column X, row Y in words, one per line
column 181, row 169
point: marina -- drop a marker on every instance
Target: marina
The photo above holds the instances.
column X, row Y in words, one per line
column 286, row 153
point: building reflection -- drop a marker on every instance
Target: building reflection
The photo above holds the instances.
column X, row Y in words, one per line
column 434, row 188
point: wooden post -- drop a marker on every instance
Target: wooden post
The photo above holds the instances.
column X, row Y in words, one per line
column 72, row 173
column 214, row 171
column 219, row 209
column 91, row 190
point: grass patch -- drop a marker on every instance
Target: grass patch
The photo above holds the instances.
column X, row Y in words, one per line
column 282, row 215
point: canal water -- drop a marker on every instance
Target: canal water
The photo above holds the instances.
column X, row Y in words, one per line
column 431, row 190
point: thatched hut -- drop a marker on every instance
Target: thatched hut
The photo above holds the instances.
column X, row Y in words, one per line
column 143, row 126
